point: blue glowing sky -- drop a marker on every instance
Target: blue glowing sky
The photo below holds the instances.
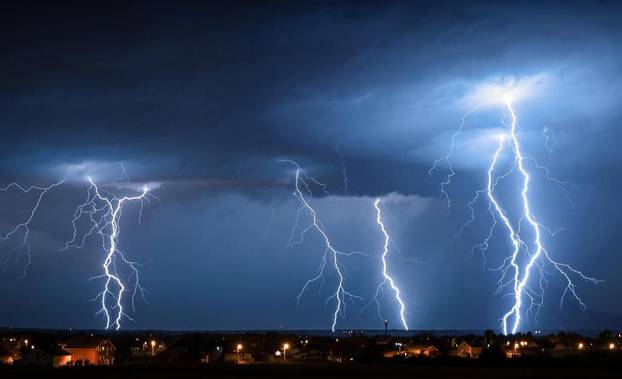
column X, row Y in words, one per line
column 203, row 100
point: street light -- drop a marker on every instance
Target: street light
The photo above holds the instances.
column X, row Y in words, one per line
column 612, row 346
column 238, row 348
column 153, row 344
column 285, row 348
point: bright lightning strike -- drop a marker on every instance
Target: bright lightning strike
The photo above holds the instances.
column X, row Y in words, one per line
column 331, row 256
column 527, row 258
column 385, row 273
column 102, row 211
column 303, row 184
column 521, row 277
column 23, row 227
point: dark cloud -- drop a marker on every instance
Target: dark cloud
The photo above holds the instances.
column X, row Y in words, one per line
column 204, row 99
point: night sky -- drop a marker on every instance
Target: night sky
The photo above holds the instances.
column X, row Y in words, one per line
column 202, row 101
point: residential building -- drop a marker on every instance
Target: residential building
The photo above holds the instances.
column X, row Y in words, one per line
column 465, row 350
column 45, row 357
column 90, row 351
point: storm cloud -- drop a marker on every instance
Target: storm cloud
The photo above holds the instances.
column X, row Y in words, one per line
column 203, row 100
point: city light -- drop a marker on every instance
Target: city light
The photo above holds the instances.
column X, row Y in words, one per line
column 285, row 348
column 238, row 348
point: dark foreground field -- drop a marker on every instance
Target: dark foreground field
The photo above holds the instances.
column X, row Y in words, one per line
column 439, row 370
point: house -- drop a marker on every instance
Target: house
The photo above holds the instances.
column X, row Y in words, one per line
column 465, row 350
column 531, row 348
column 394, row 352
column 311, row 353
column 348, row 350
column 45, row 357
column 147, row 348
column 192, row 350
column 512, row 350
column 6, row 356
column 428, row 351
column 90, row 351
column 561, row 351
column 211, row 354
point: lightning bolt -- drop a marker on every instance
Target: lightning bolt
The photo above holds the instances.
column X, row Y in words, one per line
column 521, row 277
column 385, row 273
column 564, row 185
column 344, row 171
column 102, row 211
column 23, row 227
column 331, row 256
column 447, row 159
column 527, row 259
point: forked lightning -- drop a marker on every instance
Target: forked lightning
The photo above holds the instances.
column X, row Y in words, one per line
column 527, row 256
column 23, row 226
column 102, row 211
column 332, row 257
